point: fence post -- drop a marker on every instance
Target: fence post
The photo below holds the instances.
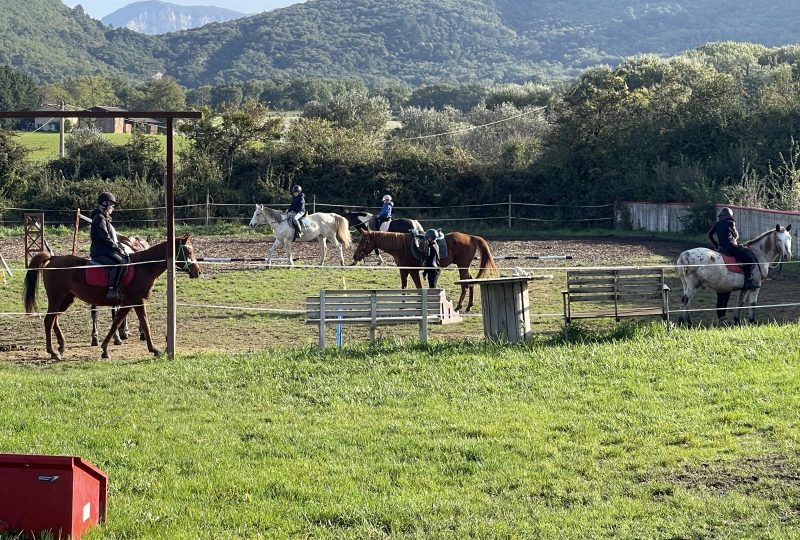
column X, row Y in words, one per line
column 509, row 210
column 75, row 231
column 208, row 204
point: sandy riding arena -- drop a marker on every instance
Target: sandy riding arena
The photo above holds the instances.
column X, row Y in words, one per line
column 245, row 306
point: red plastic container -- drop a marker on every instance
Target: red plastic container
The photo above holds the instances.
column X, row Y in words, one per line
column 62, row 494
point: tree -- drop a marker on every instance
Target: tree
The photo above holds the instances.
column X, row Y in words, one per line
column 18, row 92
column 161, row 94
column 352, row 110
column 13, row 157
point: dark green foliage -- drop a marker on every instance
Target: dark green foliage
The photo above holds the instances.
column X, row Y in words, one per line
column 18, row 92
column 384, row 42
column 12, row 166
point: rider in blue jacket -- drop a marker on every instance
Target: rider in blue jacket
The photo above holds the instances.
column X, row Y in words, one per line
column 386, row 212
column 297, row 210
column 725, row 238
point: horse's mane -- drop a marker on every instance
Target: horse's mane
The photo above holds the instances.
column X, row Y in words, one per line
column 391, row 241
column 761, row 236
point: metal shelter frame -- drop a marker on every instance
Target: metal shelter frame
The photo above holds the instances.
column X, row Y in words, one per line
column 170, row 117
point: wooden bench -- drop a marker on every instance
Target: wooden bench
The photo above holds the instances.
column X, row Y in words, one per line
column 374, row 307
column 615, row 293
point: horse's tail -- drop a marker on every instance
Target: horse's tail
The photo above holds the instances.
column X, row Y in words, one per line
column 343, row 230
column 38, row 262
column 488, row 267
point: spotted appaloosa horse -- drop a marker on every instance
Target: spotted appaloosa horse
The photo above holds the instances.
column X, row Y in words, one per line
column 703, row 267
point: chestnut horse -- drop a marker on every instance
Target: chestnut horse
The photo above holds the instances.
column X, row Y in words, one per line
column 461, row 249
column 63, row 282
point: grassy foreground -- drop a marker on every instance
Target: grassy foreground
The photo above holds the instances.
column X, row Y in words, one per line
column 632, row 435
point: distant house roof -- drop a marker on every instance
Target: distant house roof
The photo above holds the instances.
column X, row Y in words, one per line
column 105, row 108
column 143, row 121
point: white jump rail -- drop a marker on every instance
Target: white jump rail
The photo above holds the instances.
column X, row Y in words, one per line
column 374, row 307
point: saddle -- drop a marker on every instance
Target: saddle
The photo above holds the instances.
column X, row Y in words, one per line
column 418, row 247
column 732, row 264
column 372, row 224
column 98, row 276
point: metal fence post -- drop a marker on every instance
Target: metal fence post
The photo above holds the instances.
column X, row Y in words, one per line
column 509, row 210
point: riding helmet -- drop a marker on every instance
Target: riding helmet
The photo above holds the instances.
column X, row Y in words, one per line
column 430, row 234
column 387, row 198
column 106, row 198
column 725, row 212
column 297, row 189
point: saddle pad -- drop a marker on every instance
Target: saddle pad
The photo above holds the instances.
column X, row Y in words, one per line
column 732, row 265
column 98, row 276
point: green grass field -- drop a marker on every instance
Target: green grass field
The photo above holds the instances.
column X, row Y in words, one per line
column 44, row 145
column 627, row 435
column 623, row 432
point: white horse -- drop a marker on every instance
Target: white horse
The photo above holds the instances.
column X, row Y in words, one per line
column 321, row 227
column 703, row 267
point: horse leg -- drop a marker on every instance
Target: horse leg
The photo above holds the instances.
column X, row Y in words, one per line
column 93, row 310
column 686, row 304
column 415, row 277
column 272, row 250
column 57, row 327
column 322, row 250
column 118, row 333
column 288, row 245
column 403, row 278
column 338, row 245
column 752, row 298
column 722, row 304
column 380, row 259
column 123, row 328
column 121, row 314
column 141, row 312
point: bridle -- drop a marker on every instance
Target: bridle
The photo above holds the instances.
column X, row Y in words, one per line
column 183, row 249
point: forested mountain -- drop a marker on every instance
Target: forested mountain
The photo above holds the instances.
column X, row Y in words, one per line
column 156, row 17
column 377, row 41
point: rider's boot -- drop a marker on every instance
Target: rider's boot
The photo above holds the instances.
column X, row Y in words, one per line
column 114, row 278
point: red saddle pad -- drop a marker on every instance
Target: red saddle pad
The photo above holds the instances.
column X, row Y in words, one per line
column 733, row 266
column 97, row 276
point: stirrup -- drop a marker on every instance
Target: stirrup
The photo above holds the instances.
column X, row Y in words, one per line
column 749, row 285
column 113, row 294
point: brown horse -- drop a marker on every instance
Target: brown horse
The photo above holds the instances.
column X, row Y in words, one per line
column 461, row 249
column 63, row 283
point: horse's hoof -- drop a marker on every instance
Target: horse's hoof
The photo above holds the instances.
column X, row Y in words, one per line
column 105, row 354
column 54, row 356
column 117, row 341
column 94, row 342
column 61, row 349
column 142, row 337
column 156, row 352
column 123, row 335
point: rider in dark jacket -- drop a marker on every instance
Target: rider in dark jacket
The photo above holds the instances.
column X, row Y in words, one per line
column 725, row 238
column 106, row 248
column 297, row 210
column 432, row 258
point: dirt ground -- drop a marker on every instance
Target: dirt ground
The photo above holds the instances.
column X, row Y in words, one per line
column 213, row 329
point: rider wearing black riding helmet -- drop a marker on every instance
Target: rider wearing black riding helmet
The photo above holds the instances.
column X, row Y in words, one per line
column 106, row 248
column 297, row 209
column 725, row 238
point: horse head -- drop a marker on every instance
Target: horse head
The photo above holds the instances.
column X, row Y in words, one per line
column 366, row 245
column 783, row 241
column 258, row 216
column 184, row 257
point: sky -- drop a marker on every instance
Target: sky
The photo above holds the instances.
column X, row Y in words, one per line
column 100, row 8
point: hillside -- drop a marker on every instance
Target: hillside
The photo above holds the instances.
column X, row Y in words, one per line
column 416, row 41
column 156, row 17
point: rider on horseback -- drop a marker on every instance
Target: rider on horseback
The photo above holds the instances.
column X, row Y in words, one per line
column 106, row 248
column 386, row 212
column 297, row 210
column 726, row 242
